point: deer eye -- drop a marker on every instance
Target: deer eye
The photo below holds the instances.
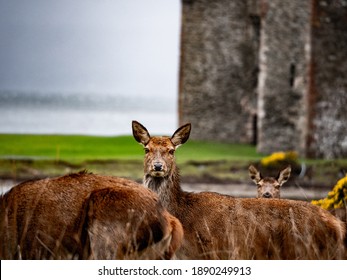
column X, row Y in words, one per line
column 146, row 150
column 172, row 151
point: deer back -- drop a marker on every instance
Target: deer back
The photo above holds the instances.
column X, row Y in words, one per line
column 222, row 227
column 61, row 218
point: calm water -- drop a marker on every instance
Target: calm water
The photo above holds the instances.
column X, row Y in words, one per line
column 88, row 114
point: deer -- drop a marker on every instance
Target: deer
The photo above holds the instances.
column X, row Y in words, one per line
column 86, row 216
column 218, row 226
column 269, row 187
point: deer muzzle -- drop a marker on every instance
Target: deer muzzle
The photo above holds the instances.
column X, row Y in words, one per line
column 158, row 169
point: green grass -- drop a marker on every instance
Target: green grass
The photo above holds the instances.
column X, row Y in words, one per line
column 80, row 148
column 211, row 151
column 68, row 147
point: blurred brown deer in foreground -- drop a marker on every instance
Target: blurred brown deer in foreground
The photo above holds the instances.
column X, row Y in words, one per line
column 85, row 216
column 269, row 187
column 218, row 226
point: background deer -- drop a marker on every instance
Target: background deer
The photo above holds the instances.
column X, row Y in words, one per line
column 218, row 226
column 269, row 187
column 85, row 216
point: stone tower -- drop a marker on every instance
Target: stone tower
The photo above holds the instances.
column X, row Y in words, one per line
column 327, row 119
column 271, row 72
column 218, row 70
column 284, row 60
column 302, row 93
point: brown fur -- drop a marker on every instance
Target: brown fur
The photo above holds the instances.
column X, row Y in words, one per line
column 269, row 187
column 85, row 216
column 218, row 226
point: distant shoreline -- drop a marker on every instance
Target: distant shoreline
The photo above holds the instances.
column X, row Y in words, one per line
column 84, row 113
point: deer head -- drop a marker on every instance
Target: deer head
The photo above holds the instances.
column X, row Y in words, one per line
column 159, row 158
column 269, row 187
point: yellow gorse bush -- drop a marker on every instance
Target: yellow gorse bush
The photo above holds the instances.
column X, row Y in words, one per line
column 336, row 198
column 279, row 157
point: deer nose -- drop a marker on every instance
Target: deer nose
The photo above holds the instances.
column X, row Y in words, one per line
column 267, row 195
column 158, row 166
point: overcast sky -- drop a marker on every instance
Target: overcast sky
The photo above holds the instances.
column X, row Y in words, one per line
column 111, row 46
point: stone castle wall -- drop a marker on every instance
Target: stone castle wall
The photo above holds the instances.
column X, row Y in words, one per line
column 328, row 90
column 283, row 81
column 270, row 72
column 218, row 70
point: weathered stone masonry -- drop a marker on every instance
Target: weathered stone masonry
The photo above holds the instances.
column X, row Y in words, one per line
column 328, row 87
column 280, row 62
column 283, row 81
column 217, row 69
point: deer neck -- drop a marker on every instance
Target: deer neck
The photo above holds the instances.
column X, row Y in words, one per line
column 168, row 189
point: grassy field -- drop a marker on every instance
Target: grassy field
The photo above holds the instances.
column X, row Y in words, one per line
column 28, row 156
column 80, row 148
column 37, row 156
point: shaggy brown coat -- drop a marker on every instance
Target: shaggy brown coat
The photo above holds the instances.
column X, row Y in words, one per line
column 85, row 216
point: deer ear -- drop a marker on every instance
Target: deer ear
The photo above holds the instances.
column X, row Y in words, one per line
column 284, row 175
column 181, row 135
column 140, row 133
column 254, row 174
